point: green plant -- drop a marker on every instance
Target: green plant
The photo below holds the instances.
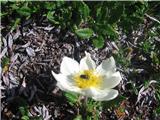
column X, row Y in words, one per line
column 96, row 21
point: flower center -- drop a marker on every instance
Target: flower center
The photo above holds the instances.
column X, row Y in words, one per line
column 87, row 78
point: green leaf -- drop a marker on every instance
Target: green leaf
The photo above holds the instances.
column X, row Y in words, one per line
column 60, row 3
column 24, row 118
column 50, row 5
column 72, row 98
column 84, row 10
column 14, row 6
column 158, row 110
column 89, row 118
column 91, row 105
column 111, row 31
column 16, row 23
column 98, row 13
column 51, row 18
column 3, row 14
column 154, row 57
column 98, row 42
column 22, row 110
column 116, row 14
column 101, row 13
column 84, row 33
column 79, row 117
column 24, row 11
column 5, row 61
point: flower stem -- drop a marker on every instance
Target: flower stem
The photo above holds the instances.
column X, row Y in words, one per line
column 84, row 107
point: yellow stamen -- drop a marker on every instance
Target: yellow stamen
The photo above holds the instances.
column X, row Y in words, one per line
column 87, row 79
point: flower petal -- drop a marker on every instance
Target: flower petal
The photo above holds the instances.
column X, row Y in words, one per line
column 102, row 95
column 107, row 65
column 65, row 84
column 87, row 63
column 111, row 80
column 69, row 66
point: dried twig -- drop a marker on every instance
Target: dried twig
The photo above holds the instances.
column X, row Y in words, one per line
column 152, row 18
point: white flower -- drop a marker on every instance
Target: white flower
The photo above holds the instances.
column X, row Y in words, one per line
column 87, row 79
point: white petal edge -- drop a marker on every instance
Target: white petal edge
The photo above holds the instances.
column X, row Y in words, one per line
column 107, row 65
column 69, row 66
column 65, row 84
column 111, row 80
column 102, row 95
column 87, row 63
